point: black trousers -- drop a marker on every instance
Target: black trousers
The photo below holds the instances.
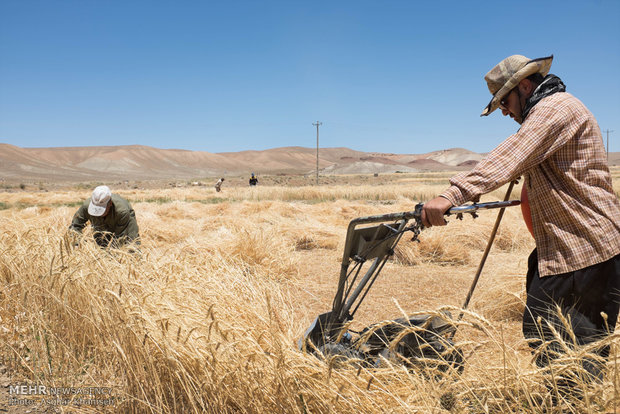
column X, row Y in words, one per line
column 581, row 295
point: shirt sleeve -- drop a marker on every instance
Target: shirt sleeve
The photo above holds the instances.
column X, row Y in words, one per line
column 79, row 219
column 547, row 128
column 127, row 227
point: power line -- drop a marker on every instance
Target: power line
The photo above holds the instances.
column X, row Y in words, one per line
column 608, row 131
column 317, row 150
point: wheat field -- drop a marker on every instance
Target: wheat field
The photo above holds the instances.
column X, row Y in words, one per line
column 207, row 317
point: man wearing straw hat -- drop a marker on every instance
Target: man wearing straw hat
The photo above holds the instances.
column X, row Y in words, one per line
column 111, row 216
column 572, row 213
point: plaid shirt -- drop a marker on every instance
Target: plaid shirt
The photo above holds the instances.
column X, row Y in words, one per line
column 560, row 152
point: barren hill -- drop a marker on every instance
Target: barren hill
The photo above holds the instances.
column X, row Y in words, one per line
column 137, row 162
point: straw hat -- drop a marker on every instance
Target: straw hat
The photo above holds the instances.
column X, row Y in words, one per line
column 508, row 73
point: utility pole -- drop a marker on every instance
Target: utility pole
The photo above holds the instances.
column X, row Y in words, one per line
column 317, row 150
column 608, row 131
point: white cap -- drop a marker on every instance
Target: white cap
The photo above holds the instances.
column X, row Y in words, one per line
column 99, row 201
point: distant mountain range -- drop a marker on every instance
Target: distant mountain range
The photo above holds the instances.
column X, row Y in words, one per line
column 136, row 162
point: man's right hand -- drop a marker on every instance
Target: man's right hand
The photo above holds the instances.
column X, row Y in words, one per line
column 434, row 210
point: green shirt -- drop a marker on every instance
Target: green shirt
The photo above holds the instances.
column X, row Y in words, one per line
column 117, row 227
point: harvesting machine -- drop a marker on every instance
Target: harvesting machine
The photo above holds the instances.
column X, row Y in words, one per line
column 422, row 339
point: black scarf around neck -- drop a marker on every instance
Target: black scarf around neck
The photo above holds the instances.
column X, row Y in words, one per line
column 550, row 85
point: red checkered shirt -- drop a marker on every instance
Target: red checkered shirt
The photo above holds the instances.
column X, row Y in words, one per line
column 560, row 152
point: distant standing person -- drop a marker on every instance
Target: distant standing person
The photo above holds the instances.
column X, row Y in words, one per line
column 253, row 180
column 111, row 217
column 218, row 185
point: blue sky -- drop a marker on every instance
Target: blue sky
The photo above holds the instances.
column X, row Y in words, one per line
column 387, row 76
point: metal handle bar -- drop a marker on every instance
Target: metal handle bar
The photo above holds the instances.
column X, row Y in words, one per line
column 417, row 213
column 472, row 208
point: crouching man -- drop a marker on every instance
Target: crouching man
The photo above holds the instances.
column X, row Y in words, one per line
column 111, row 216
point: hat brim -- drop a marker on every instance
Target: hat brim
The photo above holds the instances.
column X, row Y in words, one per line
column 540, row 65
column 95, row 210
